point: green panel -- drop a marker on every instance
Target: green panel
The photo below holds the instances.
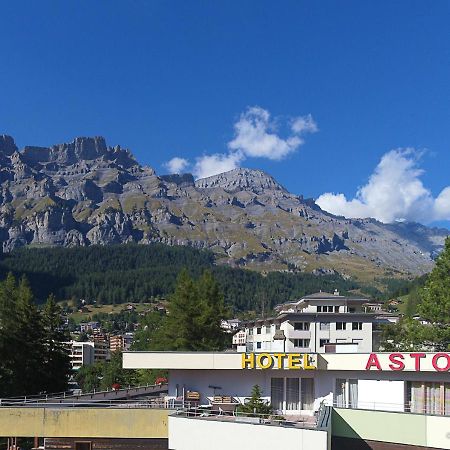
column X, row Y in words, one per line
column 380, row 426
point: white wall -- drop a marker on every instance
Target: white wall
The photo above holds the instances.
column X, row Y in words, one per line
column 382, row 387
column 386, row 395
column 204, row 434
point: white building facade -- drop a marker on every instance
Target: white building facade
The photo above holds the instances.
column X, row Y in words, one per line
column 296, row 383
column 317, row 323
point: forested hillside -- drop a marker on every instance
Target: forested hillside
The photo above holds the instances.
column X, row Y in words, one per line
column 131, row 272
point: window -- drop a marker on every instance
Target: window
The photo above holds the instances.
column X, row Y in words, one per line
column 277, row 326
column 302, row 343
column 277, row 393
column 301, row 326
column 83, row 445
column 356, row 325
column 352, row 310
column 428, row 397
column 340, row 326
column 258, row 330
column 324, row 326
column 336, row 309
column 319, row 309
column 346, row 393
column 250, row 331
column 323, row 342
column 258, row 345
column 293, row 394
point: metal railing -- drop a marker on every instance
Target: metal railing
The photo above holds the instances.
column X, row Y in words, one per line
column 68, row 396
column 407, row 408
column 295, row 421
column 154, row 403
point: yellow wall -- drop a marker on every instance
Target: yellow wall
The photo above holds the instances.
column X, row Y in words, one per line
column 84, row 422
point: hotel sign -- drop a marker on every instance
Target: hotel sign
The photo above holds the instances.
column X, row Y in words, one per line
column 294, row 361
column 440, row 362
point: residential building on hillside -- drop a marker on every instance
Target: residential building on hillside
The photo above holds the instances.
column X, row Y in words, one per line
column 317, row 323
column 81, row 354
column 87, row 353
column 230, row 325
column 120, row 342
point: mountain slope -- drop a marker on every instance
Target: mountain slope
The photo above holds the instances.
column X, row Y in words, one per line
column 84, row 192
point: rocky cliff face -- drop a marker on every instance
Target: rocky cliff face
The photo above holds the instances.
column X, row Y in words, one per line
column 85, row 192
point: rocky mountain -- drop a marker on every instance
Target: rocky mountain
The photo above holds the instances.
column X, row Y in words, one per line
column 85, row 192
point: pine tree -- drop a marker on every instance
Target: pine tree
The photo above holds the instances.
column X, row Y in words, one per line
column 435, row 304
column 56, row 357
column 256, row 405
column 212, row 312
column 181, row 328
column 435, row 295
column 8, row 328
column 29, row 344
column 193, row 321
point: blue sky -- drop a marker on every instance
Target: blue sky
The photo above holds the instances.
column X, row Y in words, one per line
column 172, row 79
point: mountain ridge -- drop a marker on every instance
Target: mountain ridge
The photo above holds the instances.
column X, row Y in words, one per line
column 85, row 192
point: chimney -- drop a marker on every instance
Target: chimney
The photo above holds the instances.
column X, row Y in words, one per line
column 336, row 292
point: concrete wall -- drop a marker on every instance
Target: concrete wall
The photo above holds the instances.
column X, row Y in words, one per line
column 401, row 428
column 204, row 434
column 84, row 422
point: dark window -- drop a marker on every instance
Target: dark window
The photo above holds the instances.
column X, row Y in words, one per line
column 356, row 325
column 319, row 309
column 302, row 343
column 323, row 342
column 258, row 330
column 336, row 309
column 83, row 445
column 301, row 326
column 258, row 345
column 340, row 325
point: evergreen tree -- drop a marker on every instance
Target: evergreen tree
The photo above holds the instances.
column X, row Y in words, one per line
column 29, row 344
column 180, row 330
column 212, row 310
column 8, row 328
column 435, row 304
column 26, row 363
column 56, row 357
column 256, row 405
column 193, row 320
column 435, row 301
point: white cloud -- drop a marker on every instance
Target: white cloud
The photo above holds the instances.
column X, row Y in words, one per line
column 208, row 165
column 255, row 136
column 305, row 124
column 394, row 192
column 176, row 165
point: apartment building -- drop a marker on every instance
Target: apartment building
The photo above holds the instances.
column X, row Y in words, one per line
column 120, row 342
column 87, row 353
column 81, row 354
column 318, row 323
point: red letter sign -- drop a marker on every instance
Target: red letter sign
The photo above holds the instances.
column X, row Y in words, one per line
column 373, row 361
column 417, row 357
column 395, row 359
column 435, row 362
